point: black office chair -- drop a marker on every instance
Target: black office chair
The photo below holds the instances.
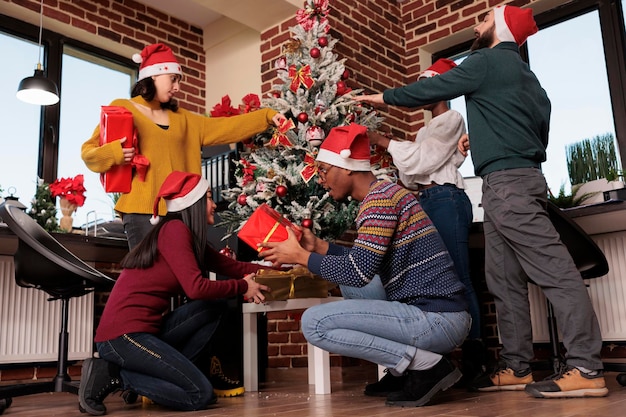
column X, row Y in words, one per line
column 41, row 262
column 591, row 263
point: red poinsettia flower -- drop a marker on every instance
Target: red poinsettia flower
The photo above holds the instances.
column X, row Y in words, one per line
column 224, row 109
column 251, row 102
column 72, row 189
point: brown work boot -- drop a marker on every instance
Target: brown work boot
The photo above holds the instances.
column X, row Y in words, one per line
column 570, row 382
column 502, row 379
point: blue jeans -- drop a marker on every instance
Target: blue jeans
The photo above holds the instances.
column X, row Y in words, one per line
column 450, row 210
column 161, row 367
column 387, row 333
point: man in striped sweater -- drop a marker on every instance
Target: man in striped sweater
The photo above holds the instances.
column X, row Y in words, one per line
column 424, row 316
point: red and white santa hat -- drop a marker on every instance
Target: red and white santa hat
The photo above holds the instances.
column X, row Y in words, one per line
column 346, row 147
column 439, row 67
column 156, row 59
column 179, row 190
column 514, row 24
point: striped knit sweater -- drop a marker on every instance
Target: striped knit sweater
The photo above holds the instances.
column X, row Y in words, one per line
column 397, row 241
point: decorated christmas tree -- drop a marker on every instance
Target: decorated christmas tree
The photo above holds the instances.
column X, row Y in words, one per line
column 278, row 167
column 43, row 207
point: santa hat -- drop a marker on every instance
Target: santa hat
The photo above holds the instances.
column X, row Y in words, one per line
column 514, row 24
column 346, row 147
column 179, row 190
column 439, row 67
column 156, row 59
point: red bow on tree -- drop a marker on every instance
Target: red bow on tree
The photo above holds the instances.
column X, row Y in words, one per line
column 310, row 169
column 300, row 76
column 279, row 136
column 381, row 157
column 248, row 172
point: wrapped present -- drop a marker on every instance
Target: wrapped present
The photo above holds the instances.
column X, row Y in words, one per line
column 297, row 282
column 116, row 122
column 265, row 225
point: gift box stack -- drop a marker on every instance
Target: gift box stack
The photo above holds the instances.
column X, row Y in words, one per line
column 297, row 282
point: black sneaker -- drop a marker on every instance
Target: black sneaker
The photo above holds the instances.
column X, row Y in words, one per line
column 387, row 384
column 421, row 386
column 223, row 386
column 473, row 361
column 98, row 379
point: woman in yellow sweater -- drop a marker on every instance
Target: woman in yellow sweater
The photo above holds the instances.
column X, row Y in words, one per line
column 171, row 138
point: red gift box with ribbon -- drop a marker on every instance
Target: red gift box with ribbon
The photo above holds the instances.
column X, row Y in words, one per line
column 116, row 122
column 266, row 225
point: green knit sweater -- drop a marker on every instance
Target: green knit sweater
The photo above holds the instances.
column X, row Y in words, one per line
column 508, row 112
column 178, row 148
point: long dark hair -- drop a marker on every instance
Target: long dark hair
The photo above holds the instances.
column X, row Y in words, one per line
column 146, row 89
column 146, row 252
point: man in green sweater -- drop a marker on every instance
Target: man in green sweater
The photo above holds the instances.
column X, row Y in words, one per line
column 508, row 116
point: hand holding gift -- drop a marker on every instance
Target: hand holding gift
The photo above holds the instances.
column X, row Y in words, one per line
column 129, row 153
column 255, row 290
column 286, row 252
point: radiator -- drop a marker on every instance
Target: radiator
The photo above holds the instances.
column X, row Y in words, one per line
column 30, row 325
column 607, row 293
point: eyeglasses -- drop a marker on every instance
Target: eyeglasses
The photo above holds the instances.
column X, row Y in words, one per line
column 323, row 171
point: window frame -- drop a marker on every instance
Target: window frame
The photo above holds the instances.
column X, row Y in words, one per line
column 614, row 42
column 53, row 45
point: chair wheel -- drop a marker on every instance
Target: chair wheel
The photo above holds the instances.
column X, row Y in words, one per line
column 5, row 403
column 621, row 378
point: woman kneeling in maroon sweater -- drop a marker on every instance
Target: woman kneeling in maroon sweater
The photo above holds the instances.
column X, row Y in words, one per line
column 150, row 353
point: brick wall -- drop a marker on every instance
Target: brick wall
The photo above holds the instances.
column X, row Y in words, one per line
column 134, row 25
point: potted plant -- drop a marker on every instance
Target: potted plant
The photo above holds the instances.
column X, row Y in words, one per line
column 593, row 167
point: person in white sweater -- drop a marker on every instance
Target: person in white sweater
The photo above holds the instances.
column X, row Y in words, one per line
column 429, row 167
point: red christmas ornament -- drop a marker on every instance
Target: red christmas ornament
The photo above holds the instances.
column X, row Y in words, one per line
column 281, row 191
column 323, row 41
column 242, row 199
column 315, row 53
column 227, row 251
column 308, row 223
column 341, row 86
column 276, row 94
column 346, row 74
column 303, row 117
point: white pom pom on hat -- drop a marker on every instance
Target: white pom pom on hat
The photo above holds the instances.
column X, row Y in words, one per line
column 346, row 147
column 180, row 190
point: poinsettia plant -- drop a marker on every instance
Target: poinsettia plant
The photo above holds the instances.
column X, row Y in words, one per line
column 72, row 189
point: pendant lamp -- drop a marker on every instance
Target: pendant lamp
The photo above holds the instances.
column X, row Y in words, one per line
column 38, row 89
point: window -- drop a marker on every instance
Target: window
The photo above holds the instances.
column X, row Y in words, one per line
column 20, row 121
column 573, row 59
column 88, row 83
column 45, row 142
